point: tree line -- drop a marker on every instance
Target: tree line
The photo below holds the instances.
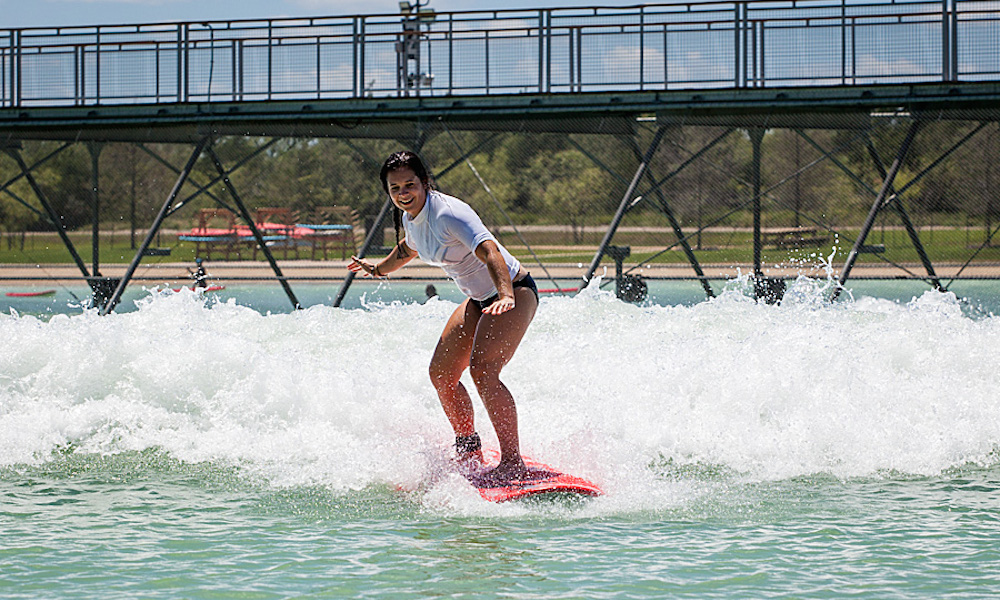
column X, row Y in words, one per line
column 573, row 180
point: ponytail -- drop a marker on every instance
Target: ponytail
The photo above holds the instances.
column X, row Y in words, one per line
column 397, row 223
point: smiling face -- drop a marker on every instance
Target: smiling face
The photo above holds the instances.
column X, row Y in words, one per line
column 408, row 193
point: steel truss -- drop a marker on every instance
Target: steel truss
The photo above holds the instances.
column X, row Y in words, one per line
column 108, row 291
column 643, row 186
column 887, row 197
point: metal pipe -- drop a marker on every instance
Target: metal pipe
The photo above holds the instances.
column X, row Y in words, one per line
column 17, row 69
column 465, row 155
column 678, row 230
column 738, row 47
column 756, row 137
column 243, row 212
column 153, row 229
column 624, row 205
column 97, row 74
column 369, row 241
column 691, row 159
column 95, row 251
column 907, row 223
column 541, row 54
column 204, row 189
column 945, row 42
column 26, row 170
column 53, row 215
column 176, row 171
column 876, row 208
column 183, row 63
column 25, row 204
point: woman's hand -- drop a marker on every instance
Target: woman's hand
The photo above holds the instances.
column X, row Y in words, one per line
column 359, row 266
column 489, row 253
column 499, row 307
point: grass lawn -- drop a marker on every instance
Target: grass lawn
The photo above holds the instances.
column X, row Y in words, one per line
column 48, row 248
column 955, row 245
column 945, row 245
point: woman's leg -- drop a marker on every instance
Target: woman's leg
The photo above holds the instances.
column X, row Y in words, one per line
column 451, row 358
column 496, row 339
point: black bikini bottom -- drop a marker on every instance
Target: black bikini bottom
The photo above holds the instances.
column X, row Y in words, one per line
column 524, row 282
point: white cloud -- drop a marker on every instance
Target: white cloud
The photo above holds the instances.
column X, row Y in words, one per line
column 134, row 2
column 873, row 66
column 623, row 63
column 346, row 7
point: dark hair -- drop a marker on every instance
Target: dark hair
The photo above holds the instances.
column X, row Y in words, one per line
column 404, row 159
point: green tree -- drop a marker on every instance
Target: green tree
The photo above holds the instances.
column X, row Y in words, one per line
column 66, row 182
column 570, row 185
column 802, row 179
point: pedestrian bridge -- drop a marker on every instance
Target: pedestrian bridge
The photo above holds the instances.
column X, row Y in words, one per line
column 676, row 59
column 750, row 65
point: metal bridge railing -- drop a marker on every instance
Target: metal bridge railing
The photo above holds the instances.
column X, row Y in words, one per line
column 654, row 47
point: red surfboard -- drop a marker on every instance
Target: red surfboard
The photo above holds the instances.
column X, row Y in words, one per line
column 31, row 294
column 543, row 480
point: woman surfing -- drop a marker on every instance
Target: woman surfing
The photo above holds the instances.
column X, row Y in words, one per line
column 486, row 328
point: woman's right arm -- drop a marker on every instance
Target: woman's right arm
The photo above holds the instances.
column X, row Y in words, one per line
column 399, row 256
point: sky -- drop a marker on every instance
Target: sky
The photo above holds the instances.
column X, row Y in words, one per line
column 61, row 13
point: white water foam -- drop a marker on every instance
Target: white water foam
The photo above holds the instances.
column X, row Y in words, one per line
column 616, row 392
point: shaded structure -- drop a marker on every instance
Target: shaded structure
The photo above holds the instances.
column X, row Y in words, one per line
column 631, row 74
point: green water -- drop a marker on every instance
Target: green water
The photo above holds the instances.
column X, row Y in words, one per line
column 140, row 525
column 195, row 449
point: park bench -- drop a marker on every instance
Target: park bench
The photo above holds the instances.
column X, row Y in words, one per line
column 333, row 228
column 793, row 237
column 214, row 231
column 277, row 228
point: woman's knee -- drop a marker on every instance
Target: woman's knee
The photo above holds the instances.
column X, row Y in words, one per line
column 484, row 372
column 443, row 376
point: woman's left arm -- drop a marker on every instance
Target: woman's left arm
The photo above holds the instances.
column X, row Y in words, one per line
column 489, row 253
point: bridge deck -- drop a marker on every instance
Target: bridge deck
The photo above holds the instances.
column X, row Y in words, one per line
column 571, row 69
column 609, row 113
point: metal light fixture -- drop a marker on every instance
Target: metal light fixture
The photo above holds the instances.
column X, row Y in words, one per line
column 426, row 15
column 416, row 16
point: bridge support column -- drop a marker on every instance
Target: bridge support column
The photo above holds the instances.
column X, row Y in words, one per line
column 94, row 148
column 108, row 302
column 54, row 218
column 674, row 223
column 880, row 202
column 626, row 203
column 897, row 204
column 374, row 234
column 248, row 218
column 770, row 290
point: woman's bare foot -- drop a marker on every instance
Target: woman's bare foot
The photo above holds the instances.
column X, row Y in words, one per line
column 469, row 462
column 505, row 473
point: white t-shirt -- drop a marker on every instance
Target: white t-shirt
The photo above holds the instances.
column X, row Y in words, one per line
column 446, row 234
